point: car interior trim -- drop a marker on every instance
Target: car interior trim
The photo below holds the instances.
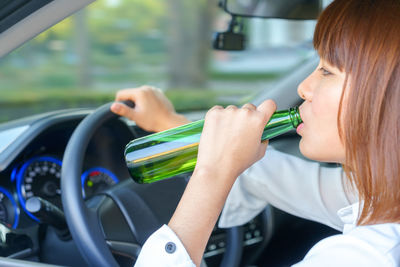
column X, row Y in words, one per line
column 37, row 125
column 9, row 136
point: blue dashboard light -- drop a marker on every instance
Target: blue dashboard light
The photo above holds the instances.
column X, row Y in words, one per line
column 20, row 178
column 14, row 173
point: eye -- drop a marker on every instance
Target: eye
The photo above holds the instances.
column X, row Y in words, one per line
column 324, row 71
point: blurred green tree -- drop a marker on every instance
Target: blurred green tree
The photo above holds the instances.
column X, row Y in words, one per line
column 189, row 42
column 121, row 38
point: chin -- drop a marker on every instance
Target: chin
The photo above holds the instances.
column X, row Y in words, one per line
column 319, row 154
column 306, row 151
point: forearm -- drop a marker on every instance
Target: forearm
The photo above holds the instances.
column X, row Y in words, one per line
column 198, row 211
column 229, row 144
column 175, row 121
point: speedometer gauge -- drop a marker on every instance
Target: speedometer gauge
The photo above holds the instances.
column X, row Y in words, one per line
column 9, row 212
column 96, row 180
column 40, row 177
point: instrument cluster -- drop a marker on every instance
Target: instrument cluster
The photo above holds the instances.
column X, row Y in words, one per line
column 40, row 177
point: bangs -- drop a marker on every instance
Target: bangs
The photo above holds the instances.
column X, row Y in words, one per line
column 334, row 33
column 346, row 30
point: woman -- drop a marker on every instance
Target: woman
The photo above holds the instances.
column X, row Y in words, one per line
column 351, row 115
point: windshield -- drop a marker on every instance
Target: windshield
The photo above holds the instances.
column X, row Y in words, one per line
column 115, row 44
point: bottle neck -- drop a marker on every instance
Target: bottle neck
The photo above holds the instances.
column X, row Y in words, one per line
column 295, row 116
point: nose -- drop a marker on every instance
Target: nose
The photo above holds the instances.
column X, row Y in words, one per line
column 304, row 90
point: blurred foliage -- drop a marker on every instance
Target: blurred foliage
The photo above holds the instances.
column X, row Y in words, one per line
column 183, row 98
column 38, row 100
column 245, row 76
column 111, row 24
column 123, row 32
column 128, row 47
column 123, row 35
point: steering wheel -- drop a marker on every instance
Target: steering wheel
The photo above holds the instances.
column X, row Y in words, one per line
column 96, row 224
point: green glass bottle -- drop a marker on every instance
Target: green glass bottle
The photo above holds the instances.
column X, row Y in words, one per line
column 165, row 154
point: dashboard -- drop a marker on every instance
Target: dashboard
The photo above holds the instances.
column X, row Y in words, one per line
column 36, row 171
column 31, row 158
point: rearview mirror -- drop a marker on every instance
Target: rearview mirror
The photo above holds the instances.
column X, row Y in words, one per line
column 284, row 9
column 231, row 40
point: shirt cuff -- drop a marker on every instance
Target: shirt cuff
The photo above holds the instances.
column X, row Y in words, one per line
column 163, row 248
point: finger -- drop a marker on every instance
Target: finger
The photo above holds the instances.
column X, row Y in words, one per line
column 122, row 110
column 216, row 107
column 157, row 89
column 267, row 108
column 147, row 87
column 126, row 94
column 213, row 112
column 231, row 107
column 249, row 106
column 151, row 88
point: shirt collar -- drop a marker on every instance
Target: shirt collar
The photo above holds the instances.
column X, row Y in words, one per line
column 349, row 215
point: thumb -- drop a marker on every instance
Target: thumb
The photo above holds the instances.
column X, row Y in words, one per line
column 267, row 107
column 122, row 110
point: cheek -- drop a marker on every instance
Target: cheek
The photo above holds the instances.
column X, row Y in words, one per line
column 322, row 141
column 325, row 105
column 324, row 111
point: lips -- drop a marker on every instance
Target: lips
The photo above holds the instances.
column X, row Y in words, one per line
column 298, row 129
column 301, row 125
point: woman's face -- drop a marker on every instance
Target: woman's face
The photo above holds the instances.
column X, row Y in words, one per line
column 321, row 92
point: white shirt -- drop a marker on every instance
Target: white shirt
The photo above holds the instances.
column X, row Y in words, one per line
column 302, row 188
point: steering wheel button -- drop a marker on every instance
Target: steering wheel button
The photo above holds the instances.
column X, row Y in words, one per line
column 170, row 247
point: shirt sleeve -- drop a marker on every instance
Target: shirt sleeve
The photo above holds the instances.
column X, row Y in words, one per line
column 164, row 248
column 297, row 186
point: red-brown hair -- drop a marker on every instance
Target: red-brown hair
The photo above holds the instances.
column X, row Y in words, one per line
column 362, row 38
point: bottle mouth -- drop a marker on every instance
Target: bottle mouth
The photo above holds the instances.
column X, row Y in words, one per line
column 295, row 116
